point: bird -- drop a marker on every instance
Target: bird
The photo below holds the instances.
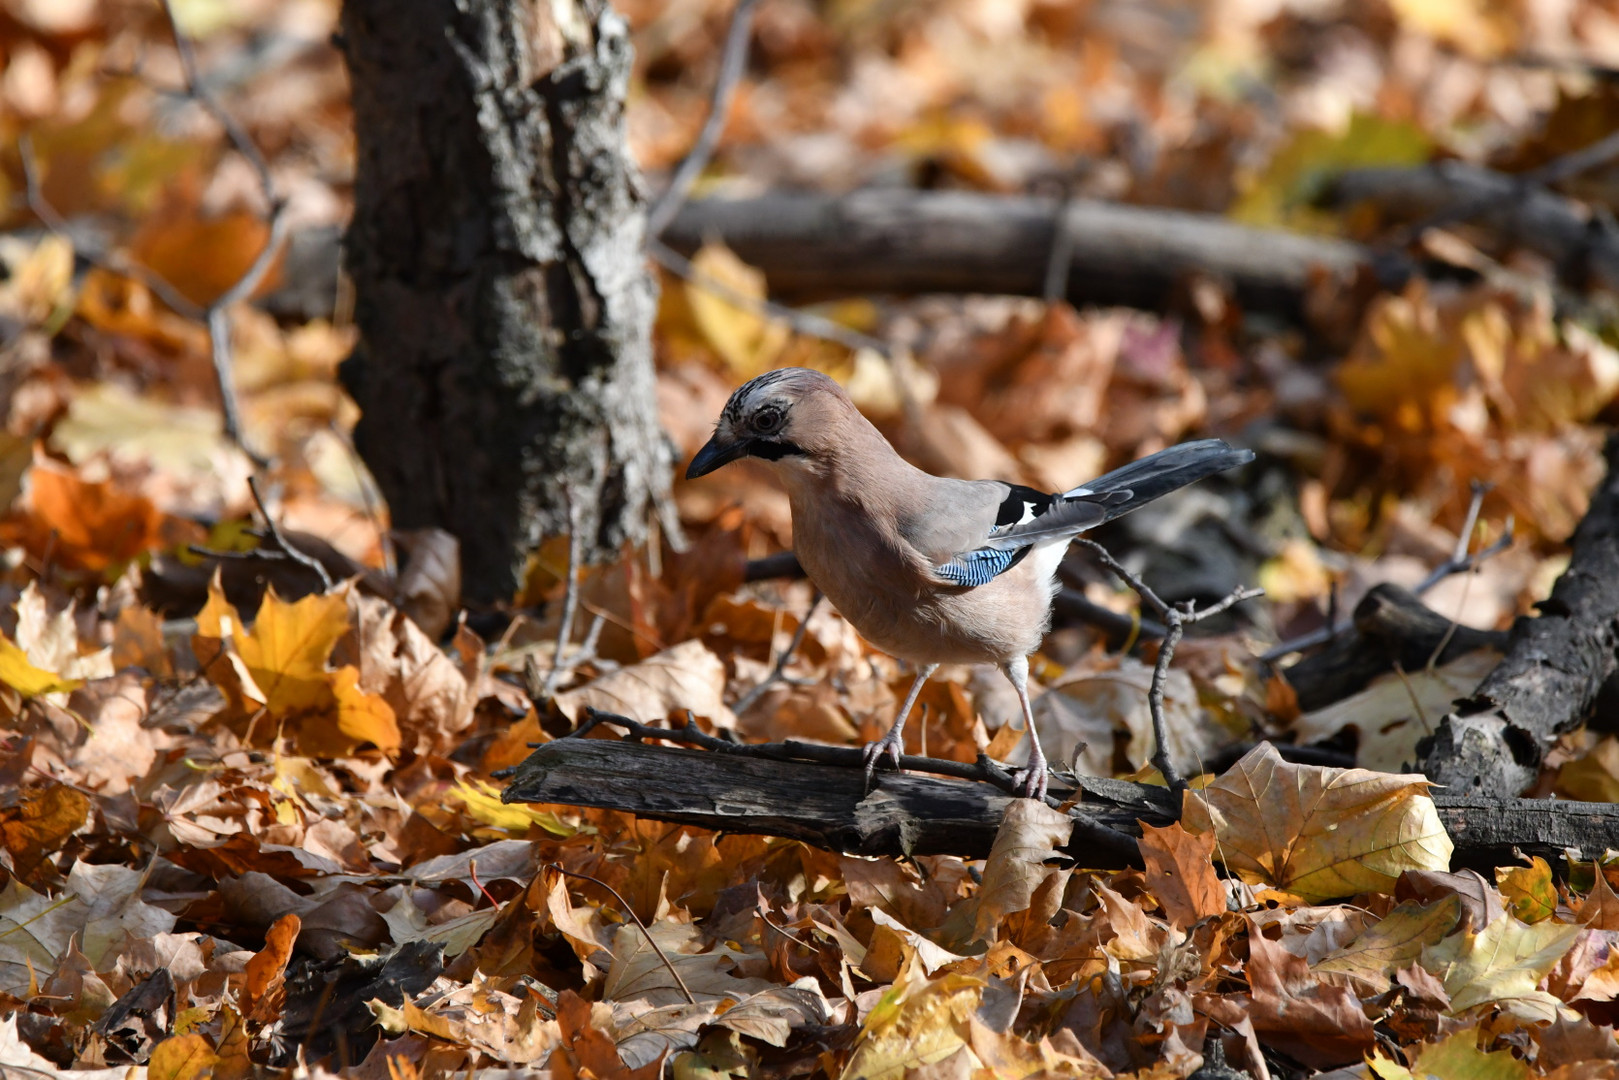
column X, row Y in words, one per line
column 929, row 569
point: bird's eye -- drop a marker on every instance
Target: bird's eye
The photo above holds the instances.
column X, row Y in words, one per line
column 768, row 420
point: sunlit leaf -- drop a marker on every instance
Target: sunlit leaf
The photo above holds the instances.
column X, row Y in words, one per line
column 1319, row 832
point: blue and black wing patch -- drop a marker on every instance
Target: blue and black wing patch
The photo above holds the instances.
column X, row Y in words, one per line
column 974, row 568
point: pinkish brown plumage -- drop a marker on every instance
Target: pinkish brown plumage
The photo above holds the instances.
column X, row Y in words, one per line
column 928, row 569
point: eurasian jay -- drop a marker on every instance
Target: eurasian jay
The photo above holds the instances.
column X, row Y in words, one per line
column 928, row 569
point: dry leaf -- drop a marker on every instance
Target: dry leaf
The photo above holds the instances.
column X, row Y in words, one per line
column 687, row 676
column 1180, row 873
column 1317, row 832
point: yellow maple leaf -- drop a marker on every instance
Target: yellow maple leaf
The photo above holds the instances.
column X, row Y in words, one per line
column 746, row 340
column 23, row 677
column 286, row 649
column 280, row 663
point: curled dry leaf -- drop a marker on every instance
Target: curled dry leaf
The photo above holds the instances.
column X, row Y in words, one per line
column 1030, row 832
column 1316, row 832
column 687, row 676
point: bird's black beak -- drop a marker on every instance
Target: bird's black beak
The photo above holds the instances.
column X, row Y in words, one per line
column 716, row 452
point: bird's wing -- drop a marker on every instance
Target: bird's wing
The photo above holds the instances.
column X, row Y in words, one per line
column 1025, row 518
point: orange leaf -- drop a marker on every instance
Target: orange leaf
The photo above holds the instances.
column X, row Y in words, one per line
column 362, row 717
column 1180, row 873
column 39, row 823
column 265, row 969
column 84, row 525
column 202, row 258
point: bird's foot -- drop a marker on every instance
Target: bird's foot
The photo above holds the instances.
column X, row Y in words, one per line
column 1031, row 783
column 891, row 746
column 1031, row 779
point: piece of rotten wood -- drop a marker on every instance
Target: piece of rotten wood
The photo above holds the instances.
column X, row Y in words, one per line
column 915, row 814
column 908, row 242
column 822, row 805
column 1553, row 671
column 1392, row 629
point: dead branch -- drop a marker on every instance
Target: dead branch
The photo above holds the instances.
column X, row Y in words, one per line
column 1391, row 629
column 1554, row 668
column 1518, row 214
column 739, row 790
column 1099, row 834
column 1176, row 618
column 908, row 242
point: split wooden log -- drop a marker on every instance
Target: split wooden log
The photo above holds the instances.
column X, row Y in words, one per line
column 912, row 814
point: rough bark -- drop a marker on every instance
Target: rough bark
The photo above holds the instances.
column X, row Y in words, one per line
column 502, row 296
column 1553, row 671
column 913, row 814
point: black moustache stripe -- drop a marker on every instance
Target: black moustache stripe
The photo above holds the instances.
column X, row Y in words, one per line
column 774, row 449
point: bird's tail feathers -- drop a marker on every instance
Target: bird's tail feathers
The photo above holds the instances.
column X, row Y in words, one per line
column 1159, row 474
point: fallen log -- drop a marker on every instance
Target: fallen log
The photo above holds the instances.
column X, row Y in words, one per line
column 905, row 242
column 908, row 242
column 1584, row 246
column 826, row 805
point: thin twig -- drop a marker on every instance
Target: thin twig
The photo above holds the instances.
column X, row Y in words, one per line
column 40, row 207
column 645, row 932
column 801, row 322
column 777, row 671
column 217, row 312
column 1060, row 260
column 1460, row 562
column 732, row 60
column 302, row 558
column 1176, row 619
column 570, row 596
column 198, row 91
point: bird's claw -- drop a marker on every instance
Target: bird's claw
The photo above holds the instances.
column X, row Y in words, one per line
column 1030, row 783
column 888, row 746
column 1031, row 779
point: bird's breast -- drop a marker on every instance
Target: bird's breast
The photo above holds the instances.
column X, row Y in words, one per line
column 890, row 594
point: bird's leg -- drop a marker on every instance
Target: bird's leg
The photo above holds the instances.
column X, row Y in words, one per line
column 1033, row 780
column 892, row 744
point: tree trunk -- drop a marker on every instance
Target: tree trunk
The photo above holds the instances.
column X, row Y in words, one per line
column 504, row 368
